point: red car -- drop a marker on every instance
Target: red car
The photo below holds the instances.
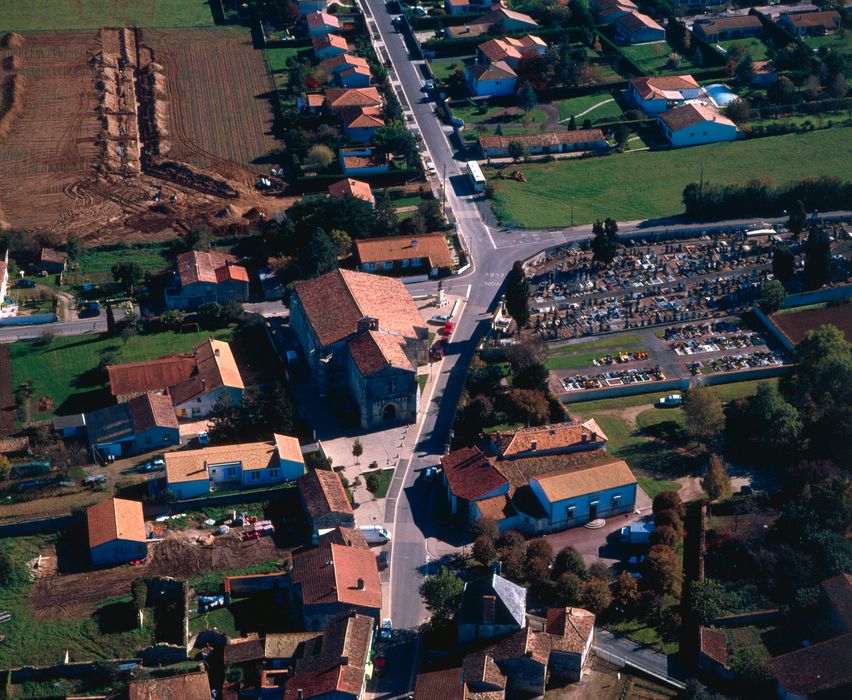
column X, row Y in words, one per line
column 446, row 332
column 251, row 536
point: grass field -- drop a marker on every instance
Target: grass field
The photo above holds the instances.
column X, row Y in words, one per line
column 582, row 354
column 41, row 15
column 575, row 106
column 67, row 369
column 838, row 43
column 650, row 184
column 509, row 123
column 652, row 58
column 443, row 68
column 95, row 265
column 385, row 478
column 754, row 46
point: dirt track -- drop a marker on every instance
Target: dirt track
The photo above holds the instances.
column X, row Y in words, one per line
column 80, row 593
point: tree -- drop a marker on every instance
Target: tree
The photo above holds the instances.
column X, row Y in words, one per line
column 518, row 295
column 198, row 238
column 604, row 241
column 536, row 570
column 772, row 296
column 716, row 481
column 782, row 91
column 745, row 71
column 569, row 560
column 669, row 518
column 598, row 569
column 128, row 332
column 783, row 265
column 484, row 550
column 529, row 405
column 432, row 214
column 372, row 482
column 527, row 99
column 621, row 133
column 357, row 449
column 798, row 217
column 661, row 571
column 668, row 500
column 540, row 548
column 518, row 150
column 738, row 111
column 709, row 599
column 387, row 221
column 572, row 123
column 817, row 259
column 568, row 589
column 595, row 595
column 764, row 423
column 73, row 248
column 319, row 157
column 665, row 535
column 703, row 413
column 532, row 376
column 5, row 467
column 442, row 594
column 320, row 256
column 395, row 138
column 128, row 274
column 172, row 319
column 485, row 526
column 626, row 590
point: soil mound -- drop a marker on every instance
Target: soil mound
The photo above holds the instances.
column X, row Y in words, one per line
column 12, row 40
column 12, row 63
column 11, row 102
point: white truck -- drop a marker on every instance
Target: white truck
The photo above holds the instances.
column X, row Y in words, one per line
column 375, row 534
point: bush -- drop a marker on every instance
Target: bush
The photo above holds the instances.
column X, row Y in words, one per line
column 485, row 526
column 372, row 480
column 668, row 500
column 669, row 518
column 665, row 535
column 484, row 550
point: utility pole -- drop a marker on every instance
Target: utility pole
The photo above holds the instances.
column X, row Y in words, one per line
column 572, row 213
column 444, row 191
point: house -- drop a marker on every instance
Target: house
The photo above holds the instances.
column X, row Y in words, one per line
column 726, row 28
column 801, row 24
column 130, row 379
column 570, row 633
column 637, row 28
column 765, row 73
column 695, row 124
column 18, row 446
column 447, row 684
column 328, row 45
column 70, row 426
column 403, row 255
column 362, row 336
column 142, row 424
column 521, row 658
column 188, row 686
column 557, row 438
column 341, row 98
column 311, row 102
column 325, row 501
column 352, row 188
column 490, row 607
column 469, row 476
column 343, row 62
column 51, row 261
column 341, row 668
column 713, row 652
column 491, row 79
column 334, row 578
column 355, row 77
column 205, row 277
column 282, row 650
column 192, row 473
column 548, row 142
column 576, row 496
column 655, row 94
column 462, row 7
column 117, row 533
column 607, row 11
column 510, row 49
column 244, row 650
column 509, row 21
column 319, row 23
column 363, row 161
column 360, row 124
column 814, row 670
column 836, row 594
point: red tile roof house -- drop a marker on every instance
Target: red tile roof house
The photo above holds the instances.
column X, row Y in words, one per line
column 810, row 23
column 144, row 423
column 352, row 188
column 362, row 336
column 837, row 601
column 607, row 11
column 201, row 278
column 441, row 685
column 461, row 7
column 340, row 98
column 191, row 473
column 349, row 71
column 319, row 23
column 356, row 77
column 812, row 671
column 333, row 578
column 726, row 28
column 360, row 124
column 713, row 652
column 328, row 46
column 404, row 255
column 696, row 124
column 117, row 532
column 509, row 21
column 550, row 142
column 557, row 438
column 189, row 686
column 325, row 501
column 637, row 28
column 658, row 93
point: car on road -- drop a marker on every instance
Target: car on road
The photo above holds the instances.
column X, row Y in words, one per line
column 380, row 664
column 429, row 85
column 155, row 465
column 430, row 166
column 446, row 331
column 387, row 629
column 26, row 284
column 442, row 318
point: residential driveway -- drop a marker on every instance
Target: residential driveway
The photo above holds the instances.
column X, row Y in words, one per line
column 614, row 648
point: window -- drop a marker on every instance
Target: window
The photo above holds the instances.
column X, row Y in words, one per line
column 569, row 512
column 196, row 411
column 273, row 473
column 231, row 471
column 415, row 262
column 388, row 264
column 167, row 437
column 616, row 500
column 405, row 262
column 369, row 266
column 255, row 475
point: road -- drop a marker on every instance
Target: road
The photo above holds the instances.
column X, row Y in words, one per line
column 611, row 647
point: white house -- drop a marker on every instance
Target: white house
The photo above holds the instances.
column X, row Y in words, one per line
column 489, row 80
column 196, row 472
column 696, row 124
column 655, row 94
column 636, row 28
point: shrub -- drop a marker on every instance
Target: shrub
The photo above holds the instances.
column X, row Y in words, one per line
column 484, row 550
column 372, row 480
column 665, row 535
column 668, row 500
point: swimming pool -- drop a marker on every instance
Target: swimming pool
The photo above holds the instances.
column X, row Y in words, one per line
column 721, row 94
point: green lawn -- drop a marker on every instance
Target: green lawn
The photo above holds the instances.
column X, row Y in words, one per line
column 95, row 265
column 652, row 58
column 221, row 619
column 653, row 486
column 67, row 369
column 443, row 68
column 835, row 42
column 421, row 381
column 213, row 582
column 385, row 478
column 754, row 46
column 645, row 632
column 574, row 106
column 650, row 184
column 583, row 354
column 43, row 15
column 510, row 124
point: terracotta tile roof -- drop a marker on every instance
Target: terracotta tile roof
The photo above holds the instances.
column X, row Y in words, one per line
column 373, row 352
column 231, row 273
column 499, row 70
column 335, row 303
column 357, row 70
column 440, row 685
column 240, row 650
column 343, row 61
column 199, row 266
column 523, row 642
column 431, row 246
column 346, row 536
column 480, row 669
column 691, row 115
column 828, row 19
column 330, row 573
column 354, row 188
column 216, row 368
column 348, row 636
column 552, row 138
column 288, row 448
column 314, row 100
column 548, row 437
column 635, row 21
column 329, row 40
column 353, row 97
column 150, row 375
column 21, row 444
column 498, row 14
column 569, row 629
column 818, row 667
column 713, row 643
column 151, row 410
column 323, row 493
column 838, row 592
column 563, row 485
column 497, row 507
column 291, row 645
column 499, row 50
column 655, row 86
column 470, row 474
column 362, row 117
column 190, row 686
column 721, row 24
column 521, row 469
column 191, row 465
column 115, row 519
column 51, row 255
column 321, row 19
column 763, row 67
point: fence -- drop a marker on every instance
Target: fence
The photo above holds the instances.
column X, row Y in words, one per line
column 38, row 527
column 231, row 498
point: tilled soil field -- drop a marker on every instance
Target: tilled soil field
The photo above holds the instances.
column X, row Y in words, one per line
column 79, row 594
column 796, row 323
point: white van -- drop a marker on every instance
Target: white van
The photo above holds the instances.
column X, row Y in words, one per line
column 375, row 534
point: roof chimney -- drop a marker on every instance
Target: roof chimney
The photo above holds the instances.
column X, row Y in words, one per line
column 584, row 437
column 360, row 584
column 413, row 242
column 594, row 437
column 534, row 445
column 489, row 605
column 216, row 352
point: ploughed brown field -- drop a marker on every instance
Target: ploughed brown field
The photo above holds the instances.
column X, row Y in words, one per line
column 796, row 323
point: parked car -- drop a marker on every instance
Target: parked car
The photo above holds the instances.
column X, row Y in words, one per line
column 380, row 664
column 375, row 534
column 441, row 318
column 436, row 353
column 430, row 473
column 387, row 628
column 430, row 166
column 671, row 400
column 203, row 438
column 26, row 284
column 383, row 559
column 446, row 331
column 429, row 85
column 90, row 309
column 155, row 465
